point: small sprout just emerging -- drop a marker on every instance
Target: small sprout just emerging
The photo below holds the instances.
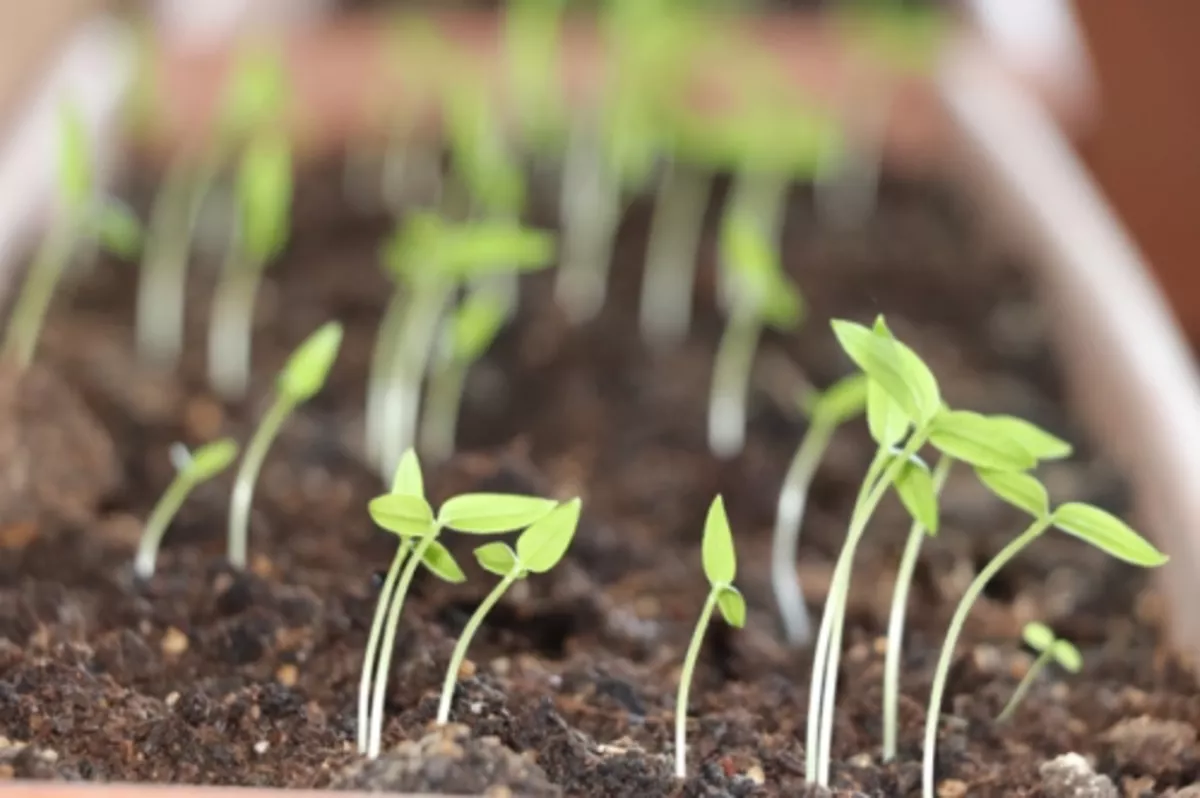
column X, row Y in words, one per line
column 720, row 567
column 1041, row 638
column 192, row 469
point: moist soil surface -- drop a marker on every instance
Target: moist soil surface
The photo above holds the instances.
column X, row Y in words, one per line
column 204, row 675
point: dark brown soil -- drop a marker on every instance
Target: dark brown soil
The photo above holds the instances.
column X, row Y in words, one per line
column 206, row 676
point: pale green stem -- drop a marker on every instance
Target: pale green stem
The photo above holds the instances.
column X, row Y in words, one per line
column 156, row 525
column 763, row 196
column 895, row 633
column 665, row 312
column 33, row 301
column 793, row 498
column 685, row 683
column 732, row 366
column 1026, row 682
column 247, row 477
column 372, row 652
column 938, row 690
column 464, row 641
column 379, row 694
column 443, row 400
column 231, row 327
column 411, row 174
column 386, row 342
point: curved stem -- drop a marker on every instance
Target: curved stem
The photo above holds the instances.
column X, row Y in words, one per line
column 793, row 498
column 1026, row 682
column 232, row 326
column 732, row 367
column 386, row 342
column 938, row 690
column 665, row 312
column 33, row 301
column 247, row 477
column 895, row 633
column 685, row 683
column 156, row 525
column 443, row 400
column 464, row 641
column 372, row 651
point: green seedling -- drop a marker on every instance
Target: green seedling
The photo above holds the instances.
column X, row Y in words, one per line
column 302, row 377
column 264, row 199
column 1090, row 524
column 1041, row 445
column 532, row 41
column 844, row 401
column 1050, row 647
column 191, row 470
column 412, row 518
column 432, row 258
column 720, row 567
column 81, row 220
column 253, row 99
column 759, row 295
column 539, row 548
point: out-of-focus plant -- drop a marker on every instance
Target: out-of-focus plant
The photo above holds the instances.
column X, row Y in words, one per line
column 533, row 45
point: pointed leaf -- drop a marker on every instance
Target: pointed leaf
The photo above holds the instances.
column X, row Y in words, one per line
column 211, row 459
column 1035, row 440
column 307, row 369
column 75, row 171
column 492, row 513
column 886, row 420
column 896, row 367
column 1022, row 491
column 976, row 439
column 475, row 325
column 408, row 479
column 118, row 229
column 496, row 557
column 1067, row 656
column 403, row 514
column 264, row 193
column 543, row 544
column 914, row 485
column 1108, row 533
column 732, row 606
column 716, row 549
column 842, row 401
column 440, row 562
column 1038, row 636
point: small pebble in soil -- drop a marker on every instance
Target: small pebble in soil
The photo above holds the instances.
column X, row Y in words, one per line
column 174, row 642
column 1072, row 776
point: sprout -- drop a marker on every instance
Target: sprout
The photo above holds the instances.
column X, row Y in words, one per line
column 759, row 296
column 264, row 194
column 845, row 400
column 191, row 470
column 539, row 548
column 1049, row 647
column 720, row 567
column 83, row 219
column 302, row 377
column 1091, row 524
column 406, row 512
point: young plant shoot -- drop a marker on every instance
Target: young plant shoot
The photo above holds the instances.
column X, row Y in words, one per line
column 191, row 470
column 759, row 295
column 302, row 377
column 720, row 567
column 264, row 199
column 412, row 518
column 1090, row 524
column 1050, row 647
column 82, row 218
column 844, row 401
column 539, row 548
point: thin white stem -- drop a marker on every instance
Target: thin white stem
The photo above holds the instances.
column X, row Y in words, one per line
column 1026, row 682
column 386, row 343
column 156, row 525
column 443, row 403
column 372, row 652
column 33, row 301
column 665, row 312
column 731, row 383
column 247, row 478
column 685, row 683
column 231, row 329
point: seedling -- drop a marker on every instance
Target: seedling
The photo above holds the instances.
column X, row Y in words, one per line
column 532, row 43
column 1050, row 647
column 539, row 548
column 844, row 401
column 412, row 518
column 264, row 199
column 82, row 219
column 759, row 296
column 1090, row 524
column 302, row 377
column 191, row 470
column 720, row 567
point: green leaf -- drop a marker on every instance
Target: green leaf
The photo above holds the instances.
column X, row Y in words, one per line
column 755, row 273
column 404, row 514
column 118, row 229
column 896, row 367
column 496, row 557
column 440, row 562
column 211, row 459
column 976, row 439
column 255, row 92
column 1021, row 490
column 716, row 549
column 492, row 513
column 408, row 479
column 75, row 171
column 544, row 543
column 1038, row 636
column 264, row 193
column 886, row 420
column 732, row 606
column 1035, row 440
column 914, row 485
column 483, row 248
column 1108, row 533
column 475, row 324
column 409, row 252
column 1067, row 656
column 842, row 401
column 307, row 369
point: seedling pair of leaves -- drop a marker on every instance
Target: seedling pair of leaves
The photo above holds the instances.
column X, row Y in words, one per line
column 1049, row 648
